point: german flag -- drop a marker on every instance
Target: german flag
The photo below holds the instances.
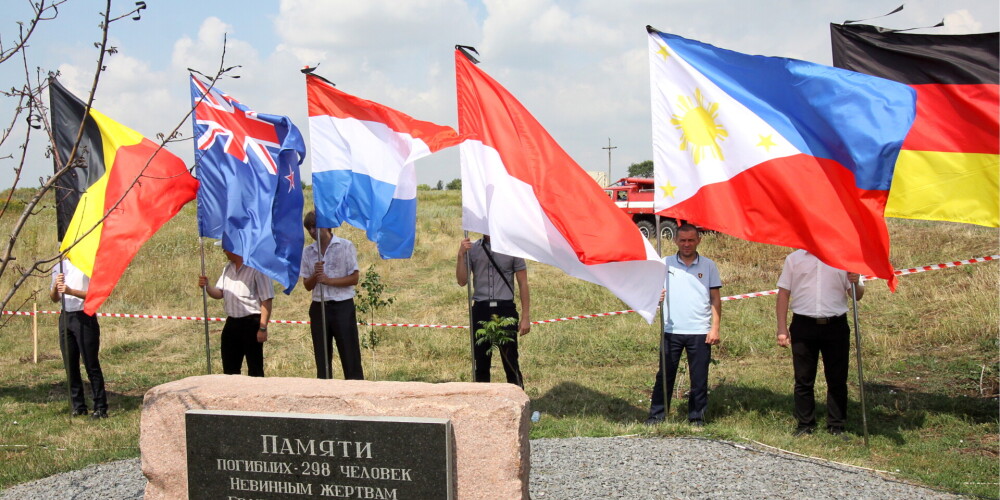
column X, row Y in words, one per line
column 948, row 168
column 119, row 174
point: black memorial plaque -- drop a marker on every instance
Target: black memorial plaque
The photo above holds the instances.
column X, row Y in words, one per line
column 239, row 455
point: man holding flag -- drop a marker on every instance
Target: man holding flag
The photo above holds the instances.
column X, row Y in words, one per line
column 250, row 197
column 121, row 189
column 79, row 336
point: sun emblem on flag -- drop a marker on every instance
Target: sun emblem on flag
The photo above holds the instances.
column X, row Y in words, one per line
column 700, row 130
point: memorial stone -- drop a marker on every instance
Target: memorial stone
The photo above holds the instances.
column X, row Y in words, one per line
column 489, row 429
column 237, row 454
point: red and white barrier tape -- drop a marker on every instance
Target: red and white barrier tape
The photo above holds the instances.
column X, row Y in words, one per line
column 898, row 272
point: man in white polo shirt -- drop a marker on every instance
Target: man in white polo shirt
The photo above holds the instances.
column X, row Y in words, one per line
column 247, row 296
column 692, row 313
column 818, row 296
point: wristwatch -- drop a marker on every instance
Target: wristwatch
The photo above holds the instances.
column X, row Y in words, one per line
column 263, row 328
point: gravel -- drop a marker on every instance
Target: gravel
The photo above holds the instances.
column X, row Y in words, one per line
column 584, row 468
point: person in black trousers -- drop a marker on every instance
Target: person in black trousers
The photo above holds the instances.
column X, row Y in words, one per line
column 79, row 336
column 247, row 295
column 330, row 271
column 818, row 295
column 493, row 275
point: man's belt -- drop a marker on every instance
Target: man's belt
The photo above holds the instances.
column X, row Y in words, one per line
column 819, row 321
column 495, row 303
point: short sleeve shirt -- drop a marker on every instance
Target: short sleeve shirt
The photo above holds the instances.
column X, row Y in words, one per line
column 688, row 310
column 486, row 281
column 817, row 290
column 340, row 259
column 74, row 279
column 243, row 290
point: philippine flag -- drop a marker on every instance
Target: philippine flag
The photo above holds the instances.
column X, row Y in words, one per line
column 535, row 202
column 777, row 150
column 362, row 167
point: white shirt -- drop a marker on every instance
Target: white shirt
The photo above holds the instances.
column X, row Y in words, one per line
column 339, row 260
column 243, row 290
column 817, row 290
column 75, row 279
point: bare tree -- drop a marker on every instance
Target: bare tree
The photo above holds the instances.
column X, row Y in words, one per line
column 32, row 108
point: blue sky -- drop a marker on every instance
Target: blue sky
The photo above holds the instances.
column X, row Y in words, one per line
column 579, row 66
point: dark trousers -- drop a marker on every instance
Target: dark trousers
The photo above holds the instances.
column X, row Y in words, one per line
column 80, row 335
column 833, row 341
column 342, row 327
column 699, row 355
column 481, row 311
column 239, row 340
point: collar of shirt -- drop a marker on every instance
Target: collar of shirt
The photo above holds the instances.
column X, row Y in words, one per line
column 695, row 262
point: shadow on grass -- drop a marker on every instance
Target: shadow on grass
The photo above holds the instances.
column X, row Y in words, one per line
column 889, row 413
column 57, row 394
column 570, row 399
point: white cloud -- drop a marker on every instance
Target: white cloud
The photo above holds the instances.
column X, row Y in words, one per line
column 130, row 91
column 204, row 53
column 961, row 22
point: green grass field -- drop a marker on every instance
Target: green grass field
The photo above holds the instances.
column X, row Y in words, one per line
column 930, row 349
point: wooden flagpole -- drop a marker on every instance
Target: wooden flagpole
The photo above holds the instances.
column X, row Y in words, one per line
column 34, row 330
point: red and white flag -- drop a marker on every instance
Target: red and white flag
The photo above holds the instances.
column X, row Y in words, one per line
column 535, row 202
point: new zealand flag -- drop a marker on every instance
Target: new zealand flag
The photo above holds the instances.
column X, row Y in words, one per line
column 250, row 195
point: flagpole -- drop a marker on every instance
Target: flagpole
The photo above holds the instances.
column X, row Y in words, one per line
column 204, row 304
column 659, row 328
column 327, row 370
column 64, row 336
column 861, row 373
column 468, row 301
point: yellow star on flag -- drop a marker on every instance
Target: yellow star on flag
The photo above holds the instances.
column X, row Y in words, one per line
column 668, row 190
column 766, row 143
column 663, row 52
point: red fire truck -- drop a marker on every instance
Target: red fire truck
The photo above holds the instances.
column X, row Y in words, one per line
column 634, row 195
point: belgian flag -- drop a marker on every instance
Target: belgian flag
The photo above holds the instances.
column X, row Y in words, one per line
column 117, row 173
column 948, row 168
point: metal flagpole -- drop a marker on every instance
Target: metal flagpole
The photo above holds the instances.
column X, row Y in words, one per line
column 327, row 369
column 861, row 373
column 204, row 303
column 659, row 328
column 64, row 336
column 468, row 301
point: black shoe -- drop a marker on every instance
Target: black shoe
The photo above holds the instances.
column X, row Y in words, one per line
column 653, row 421
column 697, row 423
column 98, row 414
column 802, row 431
column 79, row 412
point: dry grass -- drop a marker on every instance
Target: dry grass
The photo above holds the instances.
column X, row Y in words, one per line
column 589, row 377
